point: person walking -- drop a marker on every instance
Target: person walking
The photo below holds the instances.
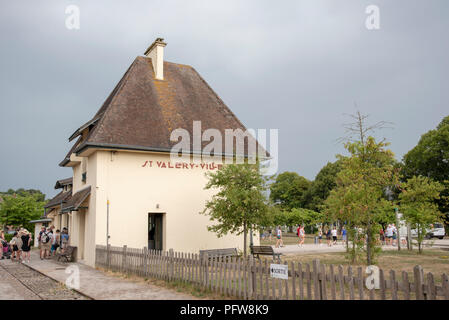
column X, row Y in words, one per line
column 344, row 235
column 389, row 234
column 302, row 235
column 320, row 235
column 334, row 235
column 26, row 245
column 279, row 242
column 14, row 247
column 329, row 237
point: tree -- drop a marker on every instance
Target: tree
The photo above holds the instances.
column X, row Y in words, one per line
column 18, row 210
column 417, row 202
column 288, row 190
column 306, row 217
column 239, row 204
column 359, row 196
column 322, row 185
column 429, row 158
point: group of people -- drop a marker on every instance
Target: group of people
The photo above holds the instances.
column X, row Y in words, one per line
column 50, row 242
column 19, row 247
column 389, row 236
column 331, row 235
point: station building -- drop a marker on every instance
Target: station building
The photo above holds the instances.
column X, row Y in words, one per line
column 125, row 189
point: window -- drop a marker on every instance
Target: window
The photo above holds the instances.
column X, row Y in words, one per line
column 84, row 177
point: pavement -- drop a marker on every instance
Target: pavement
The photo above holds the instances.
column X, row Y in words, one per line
column 93, row 283
column 339, row 247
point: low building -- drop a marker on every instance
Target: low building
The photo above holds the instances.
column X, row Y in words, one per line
column 125, row 189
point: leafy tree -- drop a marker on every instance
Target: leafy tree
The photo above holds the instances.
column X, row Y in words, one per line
column 239, row 204
column 418, row 204
column 25, row 192
column 18, row 210
column 359, row 199
column 429, row 158
column 288, row 190
column 322, row 185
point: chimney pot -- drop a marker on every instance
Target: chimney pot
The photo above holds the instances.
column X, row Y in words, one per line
column 156, row 53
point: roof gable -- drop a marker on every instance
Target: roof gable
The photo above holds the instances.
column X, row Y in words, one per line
column 141, row 112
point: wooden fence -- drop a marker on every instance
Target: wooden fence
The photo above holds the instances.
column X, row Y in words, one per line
column 250, row 278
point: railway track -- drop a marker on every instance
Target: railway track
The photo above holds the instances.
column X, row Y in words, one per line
column 41, row 286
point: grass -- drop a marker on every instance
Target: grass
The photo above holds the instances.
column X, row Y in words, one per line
column 432, row 260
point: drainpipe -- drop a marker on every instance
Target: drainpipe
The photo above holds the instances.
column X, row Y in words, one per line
column 107, row 224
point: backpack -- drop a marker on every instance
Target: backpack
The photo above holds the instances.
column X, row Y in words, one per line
column 45, row 237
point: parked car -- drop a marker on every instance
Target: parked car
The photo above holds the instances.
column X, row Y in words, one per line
column 436, row 232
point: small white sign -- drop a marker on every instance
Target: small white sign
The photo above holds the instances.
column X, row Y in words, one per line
column 279, row 271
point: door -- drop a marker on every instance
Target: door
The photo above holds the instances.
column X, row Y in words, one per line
column 155, row 231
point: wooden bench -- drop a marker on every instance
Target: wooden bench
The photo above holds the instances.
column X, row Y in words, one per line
column 264, row 251
column 68, row 255
column 219, row 253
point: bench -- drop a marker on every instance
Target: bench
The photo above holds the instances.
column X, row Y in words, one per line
column 219, row 253
column 68, row 254
column 264, row 251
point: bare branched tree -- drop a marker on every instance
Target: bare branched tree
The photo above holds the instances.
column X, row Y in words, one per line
column 359, row 130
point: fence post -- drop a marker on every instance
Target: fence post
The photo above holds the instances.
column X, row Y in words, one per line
column 316, row 279
column 171, row 264
column 206, row 270
column 145, row 261
column 108, row 254
column 124, row 268
column 252, row 277
column 417, row 271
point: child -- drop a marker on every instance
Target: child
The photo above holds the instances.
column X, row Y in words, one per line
column 15, row 249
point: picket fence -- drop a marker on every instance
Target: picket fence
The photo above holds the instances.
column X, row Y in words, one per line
column 250, row 278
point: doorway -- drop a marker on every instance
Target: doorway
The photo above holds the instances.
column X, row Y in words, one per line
column 155, row 231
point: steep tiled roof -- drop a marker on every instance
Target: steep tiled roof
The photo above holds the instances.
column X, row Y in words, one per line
column 141, row 112
column 76, row 200
column 63, row 182
column 56, row 201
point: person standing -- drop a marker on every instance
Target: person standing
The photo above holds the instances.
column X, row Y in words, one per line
column 14, row 247
column 26, row 245
column 55, row 242
column 39, row 241
column 64, row 239
column 320, row 235
column 46, row 240
column 301, row 234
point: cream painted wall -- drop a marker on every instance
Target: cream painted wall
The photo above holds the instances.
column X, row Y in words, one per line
column 134, row 191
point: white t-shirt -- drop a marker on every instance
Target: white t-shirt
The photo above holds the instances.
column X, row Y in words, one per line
column 334, row 233
column 389, row 232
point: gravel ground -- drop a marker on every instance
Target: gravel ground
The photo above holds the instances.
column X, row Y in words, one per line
column 22, row 280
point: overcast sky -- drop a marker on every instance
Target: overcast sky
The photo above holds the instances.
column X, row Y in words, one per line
column 297, row 66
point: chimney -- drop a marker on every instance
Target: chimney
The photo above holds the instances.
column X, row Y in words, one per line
column 156, row 53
